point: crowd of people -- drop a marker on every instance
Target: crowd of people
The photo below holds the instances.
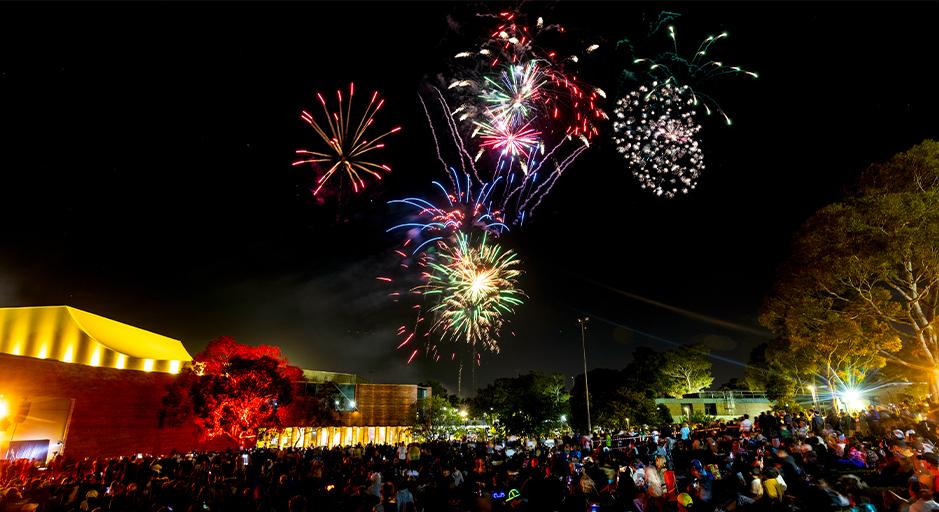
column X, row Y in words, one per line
column 883, row 459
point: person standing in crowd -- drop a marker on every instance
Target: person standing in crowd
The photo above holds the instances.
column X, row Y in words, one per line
column 756, row 485
column 656, row 488
column 745, row 424
column 818, row 422
column 774, row 487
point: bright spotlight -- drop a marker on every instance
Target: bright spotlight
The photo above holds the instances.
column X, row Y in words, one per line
column 852, row 399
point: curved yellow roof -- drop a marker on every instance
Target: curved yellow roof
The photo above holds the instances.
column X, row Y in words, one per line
column 128, row 339
column 71, row 335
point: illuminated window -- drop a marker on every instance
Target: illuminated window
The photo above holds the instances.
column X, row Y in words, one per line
column 148, row 365
column 121, row 361
column 95, row 358
column 174, row 366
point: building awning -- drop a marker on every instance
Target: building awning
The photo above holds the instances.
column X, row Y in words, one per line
column 70, row 335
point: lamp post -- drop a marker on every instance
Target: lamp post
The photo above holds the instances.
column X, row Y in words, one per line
column 583, row 345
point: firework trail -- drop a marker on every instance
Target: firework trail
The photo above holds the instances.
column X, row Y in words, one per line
column 465, row 210
column 672, row 68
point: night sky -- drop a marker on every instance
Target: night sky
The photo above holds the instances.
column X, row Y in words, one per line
column 146, row 154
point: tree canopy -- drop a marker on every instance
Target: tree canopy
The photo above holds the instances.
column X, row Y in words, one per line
column 530, row 404
column 686, row 370
column 861, row 288
column 231, row 390
column 630, row 392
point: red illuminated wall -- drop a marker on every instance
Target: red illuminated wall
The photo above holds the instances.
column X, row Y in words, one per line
column 116, row 412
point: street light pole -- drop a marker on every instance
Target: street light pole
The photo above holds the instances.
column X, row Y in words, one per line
column 583, row 345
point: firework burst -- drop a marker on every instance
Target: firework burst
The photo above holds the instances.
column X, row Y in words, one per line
column 515, row 97
column 465, row 210
column 512, row 76
column 525, row 108
column 347, row 152
column 516, row 142
column 655, row 131
column 473, row 287
column 433, row 228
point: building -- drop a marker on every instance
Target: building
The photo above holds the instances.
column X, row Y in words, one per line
column 368, row 413
column 722, row 405
column 88, row 385
column 79, row 384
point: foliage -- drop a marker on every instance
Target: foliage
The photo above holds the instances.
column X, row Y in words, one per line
column 626, row 407
column 604, row 384
column 619, row 394
column 735, row 384
column 686, row 370
column 643, row 373
column 436, row 417
column 232, row 389
column 438, row 389
column 316, row 405
column 862, row 285
column 699, row 418
column 530, row 404
column 775, row 370
column 663, row 416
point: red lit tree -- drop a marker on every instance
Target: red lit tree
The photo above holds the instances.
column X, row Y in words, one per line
column 232, row 389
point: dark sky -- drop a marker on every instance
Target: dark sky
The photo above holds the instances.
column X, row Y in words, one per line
column 146, row 154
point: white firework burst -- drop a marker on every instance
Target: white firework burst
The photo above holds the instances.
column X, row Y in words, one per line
column 655, row 130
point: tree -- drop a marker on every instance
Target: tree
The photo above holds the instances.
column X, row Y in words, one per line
column 619, row 394
column 663, row 416
column 231, row 390
column 318, row 404
column 438, row 389
column 735, row 384
column 626, row 407
column 436, row 417
column 644, row 372
column 604, row 384
column 530, row 404
column 777, row 371
column 822, row 337
column 862, row 283
column 686, row 370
